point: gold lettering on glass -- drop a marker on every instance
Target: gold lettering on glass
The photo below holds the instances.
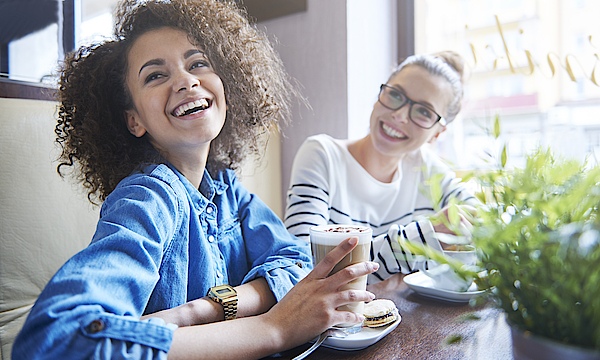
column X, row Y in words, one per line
column 553, row 59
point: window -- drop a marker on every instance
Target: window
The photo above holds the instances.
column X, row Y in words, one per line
column 35, row 35
column 537, row 106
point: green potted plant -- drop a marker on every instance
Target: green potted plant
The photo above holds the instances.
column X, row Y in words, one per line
column 538, row 238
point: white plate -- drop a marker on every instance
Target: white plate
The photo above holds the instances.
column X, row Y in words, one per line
column 366, row 337
column 423, row 285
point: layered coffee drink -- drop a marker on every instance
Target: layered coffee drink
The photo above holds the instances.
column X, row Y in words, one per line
column 325, row 238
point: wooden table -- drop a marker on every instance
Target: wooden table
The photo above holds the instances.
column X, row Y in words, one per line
column 426, row 325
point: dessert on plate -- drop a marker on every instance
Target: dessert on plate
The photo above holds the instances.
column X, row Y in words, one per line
column 380, row 312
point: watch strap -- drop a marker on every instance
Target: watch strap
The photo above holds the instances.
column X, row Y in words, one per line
column 227, row 297
column 230, row 308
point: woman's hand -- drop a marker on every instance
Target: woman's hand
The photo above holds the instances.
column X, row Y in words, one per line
column 311, row 306
column 306, row 311
column 466, row 214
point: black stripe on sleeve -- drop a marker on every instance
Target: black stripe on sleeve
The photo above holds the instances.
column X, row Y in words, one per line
column 341, row 212
column 396, row 220
column 304, row 213
column 311, row 197
column 301, row 223
column 447, row 196
column 410, row 270
column 420, row 233
column 299, row 203
column 423, row 241
column 377, row 276
column 394, row 253
column 310, row 186
column 384, row 264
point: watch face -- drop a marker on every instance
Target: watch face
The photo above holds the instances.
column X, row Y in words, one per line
column 223, row 291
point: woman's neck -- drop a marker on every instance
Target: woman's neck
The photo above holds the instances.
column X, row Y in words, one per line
column 379, row 166
column 191, row 165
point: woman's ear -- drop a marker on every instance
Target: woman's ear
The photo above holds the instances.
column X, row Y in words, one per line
column 133, row 125
column 436, row 134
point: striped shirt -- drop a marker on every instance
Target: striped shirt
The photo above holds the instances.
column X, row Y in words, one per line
column 328, row 186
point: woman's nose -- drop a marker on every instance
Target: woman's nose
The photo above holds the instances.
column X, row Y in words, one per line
column 185, row 81
column 401, row 115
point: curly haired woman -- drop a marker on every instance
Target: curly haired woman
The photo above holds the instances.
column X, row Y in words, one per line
column 153, row 124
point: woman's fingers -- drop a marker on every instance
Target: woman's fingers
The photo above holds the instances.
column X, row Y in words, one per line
column 324, row 267
column 355, row 271
column 351, row 295
column 348, row 317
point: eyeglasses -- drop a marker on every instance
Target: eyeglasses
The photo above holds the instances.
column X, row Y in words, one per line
column 421, row 115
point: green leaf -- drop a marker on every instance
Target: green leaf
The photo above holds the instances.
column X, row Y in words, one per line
column 504, row 157
column 468, row 317
column 497, row 126
column 435, row 189
column 453, row 215
column 454, row 339
column 481, row 197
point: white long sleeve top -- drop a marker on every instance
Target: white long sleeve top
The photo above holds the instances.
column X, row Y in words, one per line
column 328, row 186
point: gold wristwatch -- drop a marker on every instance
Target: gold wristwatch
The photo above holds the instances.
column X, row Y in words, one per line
column 226, row 296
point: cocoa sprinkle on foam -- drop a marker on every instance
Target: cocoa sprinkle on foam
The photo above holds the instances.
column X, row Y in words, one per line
column 345, row 229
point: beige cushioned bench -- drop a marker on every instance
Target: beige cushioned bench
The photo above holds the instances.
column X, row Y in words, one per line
column 44, row 220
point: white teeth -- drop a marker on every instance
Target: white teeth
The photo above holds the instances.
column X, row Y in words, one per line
column 392, row 132
column 199, row 104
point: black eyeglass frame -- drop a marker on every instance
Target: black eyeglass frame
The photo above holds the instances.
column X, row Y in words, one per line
column 411, row 102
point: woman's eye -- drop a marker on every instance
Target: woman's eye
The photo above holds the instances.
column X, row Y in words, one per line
column 425, row 112
column 152, row 77
column 396, row 95
column 199, row 64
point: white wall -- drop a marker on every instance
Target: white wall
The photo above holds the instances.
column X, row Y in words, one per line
column 313, row 47
column 372, row 49
column 340, row 51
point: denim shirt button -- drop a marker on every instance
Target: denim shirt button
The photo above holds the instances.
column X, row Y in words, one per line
column 219, row 275
column 95, row 326
column 211, row 238
column 209, row 210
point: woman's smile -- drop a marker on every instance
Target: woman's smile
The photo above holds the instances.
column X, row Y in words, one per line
column 392, row 132
column 191, row 107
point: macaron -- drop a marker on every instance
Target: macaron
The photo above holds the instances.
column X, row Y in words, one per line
column 380, row 312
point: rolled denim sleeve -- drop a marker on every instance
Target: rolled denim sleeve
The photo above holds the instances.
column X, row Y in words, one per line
column 91, row 307
column 281, row 258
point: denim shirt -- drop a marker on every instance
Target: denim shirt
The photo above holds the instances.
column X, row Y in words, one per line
column 159, row 243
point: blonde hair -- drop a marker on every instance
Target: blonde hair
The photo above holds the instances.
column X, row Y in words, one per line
column 447, row 64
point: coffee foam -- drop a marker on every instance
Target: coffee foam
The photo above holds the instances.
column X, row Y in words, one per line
column 323, row 234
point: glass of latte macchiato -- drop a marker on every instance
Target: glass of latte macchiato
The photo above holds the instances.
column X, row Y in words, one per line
column 325, row 238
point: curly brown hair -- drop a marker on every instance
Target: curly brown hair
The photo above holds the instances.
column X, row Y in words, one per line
column 93, row 95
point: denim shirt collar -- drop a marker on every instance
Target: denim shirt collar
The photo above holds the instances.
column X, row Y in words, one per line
column 209, row 187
